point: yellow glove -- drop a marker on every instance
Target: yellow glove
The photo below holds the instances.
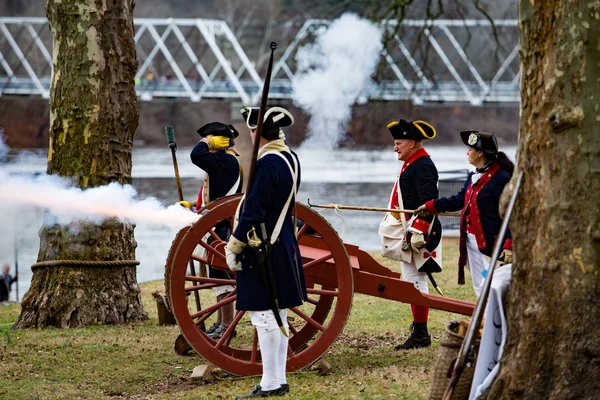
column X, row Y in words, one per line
column 506, row 255
column 218, row 142
column 187, row 204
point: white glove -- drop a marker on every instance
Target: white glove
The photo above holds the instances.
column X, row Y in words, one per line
column 506, row 255
column 232, row 260
column 232, row 250
column 417, row 240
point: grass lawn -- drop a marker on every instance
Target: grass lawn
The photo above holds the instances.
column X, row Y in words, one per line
column 138, row 361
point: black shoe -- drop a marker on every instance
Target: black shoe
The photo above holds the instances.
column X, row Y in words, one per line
column 419, row 337
column 212, row 329
column 218, row 333
column 258, row 392
column 283, row 389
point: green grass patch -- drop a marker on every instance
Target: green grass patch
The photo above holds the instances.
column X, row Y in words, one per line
column 138, row 361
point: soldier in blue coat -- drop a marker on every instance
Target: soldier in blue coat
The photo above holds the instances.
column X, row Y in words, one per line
column 217, row 157
column 478, row 201
column 270, row 202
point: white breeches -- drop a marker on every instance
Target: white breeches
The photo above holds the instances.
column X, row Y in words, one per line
column 273, row 347
column 477, row 264
column 410, row 274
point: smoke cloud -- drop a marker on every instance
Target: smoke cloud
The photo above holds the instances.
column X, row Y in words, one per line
column 65, row 202
column 334, row 73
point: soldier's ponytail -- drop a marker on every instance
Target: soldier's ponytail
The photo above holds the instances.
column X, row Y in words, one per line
column 505, row 162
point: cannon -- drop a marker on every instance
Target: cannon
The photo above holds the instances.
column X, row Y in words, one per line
column 334, row 271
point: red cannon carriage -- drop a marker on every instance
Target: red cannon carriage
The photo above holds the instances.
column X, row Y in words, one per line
column 333, row 270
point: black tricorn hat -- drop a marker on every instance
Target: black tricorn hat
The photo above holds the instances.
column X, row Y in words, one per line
column 417, row 130
column 275, row 118
column 483, row 141
column 218, row 129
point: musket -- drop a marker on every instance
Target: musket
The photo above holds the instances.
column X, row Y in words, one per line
column 376, row 209
column 265, row 267
column 467, row 349
column 170, row 132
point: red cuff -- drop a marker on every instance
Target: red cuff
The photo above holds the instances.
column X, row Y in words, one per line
column 430, row 208
column 420, row 225
column 507, row 244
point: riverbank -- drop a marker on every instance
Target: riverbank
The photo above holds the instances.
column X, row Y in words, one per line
column 138, row 361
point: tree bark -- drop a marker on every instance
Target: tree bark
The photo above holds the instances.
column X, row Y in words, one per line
column 553, row 342
column 93, row 116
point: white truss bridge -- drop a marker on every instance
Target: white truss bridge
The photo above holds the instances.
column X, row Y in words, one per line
column 470, row 61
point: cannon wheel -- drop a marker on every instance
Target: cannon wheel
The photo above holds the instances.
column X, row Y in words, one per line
column 318, row 329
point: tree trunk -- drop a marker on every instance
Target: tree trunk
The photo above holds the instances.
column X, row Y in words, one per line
column 553, row 343
column 93, row 116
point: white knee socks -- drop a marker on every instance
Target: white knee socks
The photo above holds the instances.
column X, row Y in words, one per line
column 283, row 348
column 273, row 347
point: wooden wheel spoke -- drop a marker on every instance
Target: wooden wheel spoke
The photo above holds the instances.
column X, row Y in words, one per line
column 200, row 259
column 201, row 287
column 301, row 232
column 254, row 347
column 323, row 292
column 317, row 261
column 226, row 338
column 290, row 352
column 312, row 301
column 292, row 329
column 213, row 234
column 214, row 252
column 203, row 279
column 308, row 319
column 207, row 312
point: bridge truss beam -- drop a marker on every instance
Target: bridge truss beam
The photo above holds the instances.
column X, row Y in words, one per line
column 471, row 61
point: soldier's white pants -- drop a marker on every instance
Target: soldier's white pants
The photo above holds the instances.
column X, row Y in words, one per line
column 410, row 274
column 273, row 347
column 477, row 263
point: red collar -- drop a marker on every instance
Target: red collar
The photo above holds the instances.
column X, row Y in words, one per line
column 415, row 156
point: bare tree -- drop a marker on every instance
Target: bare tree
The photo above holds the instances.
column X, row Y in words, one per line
column 85, row 272
column 553, row 345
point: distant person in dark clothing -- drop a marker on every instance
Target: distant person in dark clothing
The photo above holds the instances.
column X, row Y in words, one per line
column 6, row 281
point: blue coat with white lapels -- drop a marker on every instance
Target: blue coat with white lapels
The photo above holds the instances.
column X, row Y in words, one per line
column 270, row 202
column 269, row 196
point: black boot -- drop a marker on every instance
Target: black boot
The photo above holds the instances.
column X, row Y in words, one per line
column 258, row 392
column 419, row 337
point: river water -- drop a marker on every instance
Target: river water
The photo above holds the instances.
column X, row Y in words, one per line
column 349, row 177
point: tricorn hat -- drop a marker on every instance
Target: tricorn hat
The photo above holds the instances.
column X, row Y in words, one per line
column 275, row 118
column 483, row 141
column 218, row 129
column 417, row 130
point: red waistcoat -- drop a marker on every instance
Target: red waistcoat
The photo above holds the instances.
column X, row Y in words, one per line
column 471, row 220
